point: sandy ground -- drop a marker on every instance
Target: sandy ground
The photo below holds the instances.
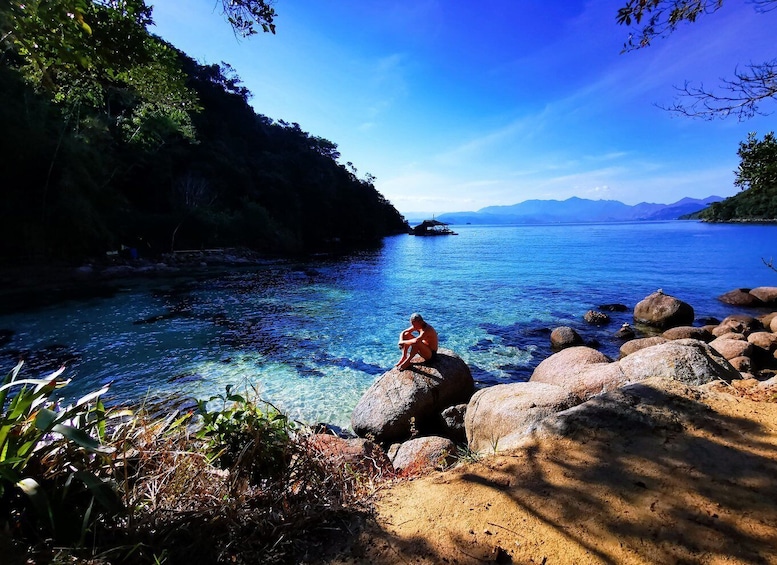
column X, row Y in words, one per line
column 697, row 483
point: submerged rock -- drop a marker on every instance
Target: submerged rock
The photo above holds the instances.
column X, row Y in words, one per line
column 596, row 318
column 563, row 337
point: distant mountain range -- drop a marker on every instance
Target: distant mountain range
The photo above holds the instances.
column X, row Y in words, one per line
column 578, row 210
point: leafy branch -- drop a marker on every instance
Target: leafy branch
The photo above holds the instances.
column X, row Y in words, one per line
column 740, row 96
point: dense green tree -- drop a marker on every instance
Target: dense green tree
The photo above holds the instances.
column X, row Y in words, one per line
column 757, row 169
column 757, row 176
column 743, row 95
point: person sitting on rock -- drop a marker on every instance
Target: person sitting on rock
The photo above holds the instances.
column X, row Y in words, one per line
column 425, row 343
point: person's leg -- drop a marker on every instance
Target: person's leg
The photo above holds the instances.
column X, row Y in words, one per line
column 405, row 334
column 421, row 348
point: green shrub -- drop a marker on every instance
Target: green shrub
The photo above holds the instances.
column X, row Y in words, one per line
column 251, row 442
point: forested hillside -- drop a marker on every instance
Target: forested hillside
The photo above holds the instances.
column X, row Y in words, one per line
column 757, row 175
column 112, row 137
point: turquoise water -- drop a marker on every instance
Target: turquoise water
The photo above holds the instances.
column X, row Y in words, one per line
column 312, row 336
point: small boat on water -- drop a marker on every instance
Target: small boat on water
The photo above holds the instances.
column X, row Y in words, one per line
column 432, row 227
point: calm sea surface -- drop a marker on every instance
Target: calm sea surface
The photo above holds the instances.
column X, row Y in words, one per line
column 312, row 336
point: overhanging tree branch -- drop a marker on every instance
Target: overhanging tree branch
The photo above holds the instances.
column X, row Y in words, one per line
column 740, row 96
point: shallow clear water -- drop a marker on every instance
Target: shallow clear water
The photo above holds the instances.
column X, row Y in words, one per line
column 312, row 336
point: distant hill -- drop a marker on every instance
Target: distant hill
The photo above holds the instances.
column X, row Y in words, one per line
column 578, row 210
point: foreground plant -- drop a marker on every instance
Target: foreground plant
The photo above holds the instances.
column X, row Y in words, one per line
column 233, row 481
column 55, row 456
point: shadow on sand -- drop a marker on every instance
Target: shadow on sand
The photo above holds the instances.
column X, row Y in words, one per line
column 653, row 477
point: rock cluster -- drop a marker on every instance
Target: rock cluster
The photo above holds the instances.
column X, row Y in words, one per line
column 420, row 414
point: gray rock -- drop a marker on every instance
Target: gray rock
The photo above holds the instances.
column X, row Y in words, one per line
column 690, row 361
column 563, row 337
column 453, row 420
column 417, row 394
column 425, row 453
column 596, row 318
column 660, row 310
column 655, row 403
column 499, row 417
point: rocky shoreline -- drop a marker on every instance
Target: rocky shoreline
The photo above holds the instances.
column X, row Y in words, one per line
column 26, row 286
column 418, row 419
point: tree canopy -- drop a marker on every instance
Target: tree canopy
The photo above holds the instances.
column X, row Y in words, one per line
column 757, row 176
column 742, row 96
column 113, row 137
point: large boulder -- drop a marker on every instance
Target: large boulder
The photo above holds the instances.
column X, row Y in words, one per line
column 690, row 361
column 766, row 294
column 416, row 396
column 424, row 454
column 560, row 367
column 580, row 370
column 740, row 297
column 655, row 403
column 499, row 417
column 563, row 337
column 660, row 310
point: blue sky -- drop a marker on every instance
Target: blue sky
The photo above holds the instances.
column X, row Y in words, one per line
column 455, row 106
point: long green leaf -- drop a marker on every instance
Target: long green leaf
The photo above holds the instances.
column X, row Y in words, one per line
column 102, row 491
column 46, row 421
column 92, row 395
column 9, row 378
column 83, row 439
